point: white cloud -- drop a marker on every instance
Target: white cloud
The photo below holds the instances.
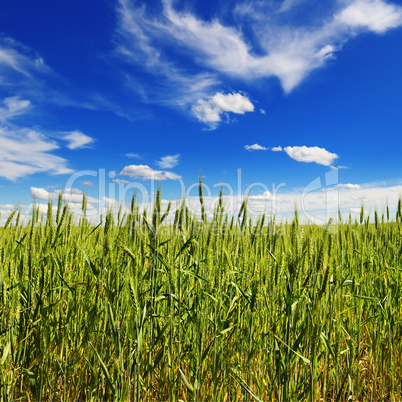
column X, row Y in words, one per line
column 311, row 154
column 255, row 147
column 277, row 149
column 39, row 193
column 144, row 172
column 69, row 195
column 169, row 162
column 211, row 109
column 375, row 15
column 77, row 140
column 206, row 112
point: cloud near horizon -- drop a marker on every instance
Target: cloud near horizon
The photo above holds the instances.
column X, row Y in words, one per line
column 313, row 207
column 144, row 172
column 71, row 195
column 349, row 186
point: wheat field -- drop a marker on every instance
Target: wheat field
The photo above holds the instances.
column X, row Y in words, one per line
column 139, row 308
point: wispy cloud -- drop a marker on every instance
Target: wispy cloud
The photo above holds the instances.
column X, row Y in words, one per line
column 255, row 147
column 25, row 151
column 276, row 149
column 311, row 154
column 169, row 162
column 13, row 107
column 136, row 35
column 18, row 59
column 25, row 74
column 289, row 4
column 144, row 172
column 134, row 156
column 272, row 46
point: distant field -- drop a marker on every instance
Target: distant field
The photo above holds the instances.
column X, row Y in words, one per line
column 222, row 310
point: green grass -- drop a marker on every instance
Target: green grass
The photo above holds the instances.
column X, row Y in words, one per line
column 140, row 309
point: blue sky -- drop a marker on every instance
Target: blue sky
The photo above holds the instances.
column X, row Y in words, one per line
column 285, row 91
